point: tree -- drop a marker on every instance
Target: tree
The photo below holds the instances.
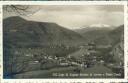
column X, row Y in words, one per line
column 20, row 9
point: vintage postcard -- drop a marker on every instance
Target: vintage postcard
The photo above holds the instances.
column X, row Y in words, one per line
column 64, row 42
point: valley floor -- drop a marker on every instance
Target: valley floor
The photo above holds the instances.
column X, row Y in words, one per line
column 85, row 62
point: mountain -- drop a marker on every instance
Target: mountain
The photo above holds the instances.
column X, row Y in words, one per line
column 102, row 34
column 117, row 51
column 94, row 31
column 21, row 32
column 113, row 37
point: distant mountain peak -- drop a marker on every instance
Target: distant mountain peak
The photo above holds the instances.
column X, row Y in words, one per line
column 100, row 25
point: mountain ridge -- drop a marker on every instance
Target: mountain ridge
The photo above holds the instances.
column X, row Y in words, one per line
column 37, row 32
column 113, row 37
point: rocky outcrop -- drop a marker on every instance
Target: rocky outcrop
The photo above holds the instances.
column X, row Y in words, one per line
column 118, row 51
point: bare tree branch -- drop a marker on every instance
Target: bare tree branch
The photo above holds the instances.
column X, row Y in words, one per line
column 20, row 9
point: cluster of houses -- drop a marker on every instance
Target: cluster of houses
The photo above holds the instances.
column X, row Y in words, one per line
column 42, row 60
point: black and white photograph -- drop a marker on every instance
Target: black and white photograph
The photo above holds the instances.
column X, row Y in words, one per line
column 63, row 41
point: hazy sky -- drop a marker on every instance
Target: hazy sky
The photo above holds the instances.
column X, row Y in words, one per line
column 75, row 16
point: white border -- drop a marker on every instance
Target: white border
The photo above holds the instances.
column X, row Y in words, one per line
column 67, row 3
column 1, row 41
